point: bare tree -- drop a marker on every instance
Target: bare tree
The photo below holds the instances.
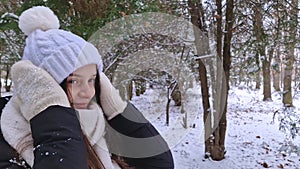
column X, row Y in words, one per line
column 215, row 130
column 290, row 41
column 196, row 12
column 261, row 39
column 276, row 68
column 229, row 21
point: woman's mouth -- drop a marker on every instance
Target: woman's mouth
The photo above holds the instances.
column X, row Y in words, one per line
column 80, row 105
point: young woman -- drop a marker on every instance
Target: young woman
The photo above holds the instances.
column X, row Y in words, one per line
column 61, row 102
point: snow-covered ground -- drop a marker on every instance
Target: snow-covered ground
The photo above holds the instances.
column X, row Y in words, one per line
column 252, row 141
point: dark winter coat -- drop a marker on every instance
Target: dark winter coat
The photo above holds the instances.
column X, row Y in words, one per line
column 55, row 153
column 133, row 124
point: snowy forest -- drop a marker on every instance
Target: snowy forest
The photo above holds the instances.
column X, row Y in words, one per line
column 220, row 79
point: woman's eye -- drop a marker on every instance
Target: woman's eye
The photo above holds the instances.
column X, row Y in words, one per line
column 73, row 81
column 92, row 80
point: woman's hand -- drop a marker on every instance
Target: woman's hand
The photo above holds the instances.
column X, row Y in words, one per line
column 35, row 89
column 111, row 101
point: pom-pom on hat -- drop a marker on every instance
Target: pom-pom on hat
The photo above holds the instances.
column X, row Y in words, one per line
column 57, row 51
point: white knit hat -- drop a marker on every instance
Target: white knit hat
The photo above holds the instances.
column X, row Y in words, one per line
column 57, row 51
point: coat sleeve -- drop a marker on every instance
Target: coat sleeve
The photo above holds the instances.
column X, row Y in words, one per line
column 9, row 158
column 58, row 140
column 134, row 138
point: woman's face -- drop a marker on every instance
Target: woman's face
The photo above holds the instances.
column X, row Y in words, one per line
column 81, row 86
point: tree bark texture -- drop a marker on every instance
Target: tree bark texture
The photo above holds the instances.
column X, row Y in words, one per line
column 196, row 18
column 290, row 36
column 261, row 49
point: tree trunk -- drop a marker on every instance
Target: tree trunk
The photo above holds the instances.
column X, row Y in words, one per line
column 130, row 90
column 261, row 48
column 290, row 55
column 276, row 62
column 206, row 106
column 218, row 152
column 276, row 71
column 220, row 93
column 168, row 108
column 267, row 77
column 287, row 81
column 202, row 49
column 7, row 85
column 257, row 74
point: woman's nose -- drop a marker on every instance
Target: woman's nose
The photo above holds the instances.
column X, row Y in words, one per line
column 84, row 90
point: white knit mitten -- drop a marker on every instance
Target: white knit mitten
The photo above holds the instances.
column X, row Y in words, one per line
column 36, row 89
column 111, row 101
column 16, row 130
